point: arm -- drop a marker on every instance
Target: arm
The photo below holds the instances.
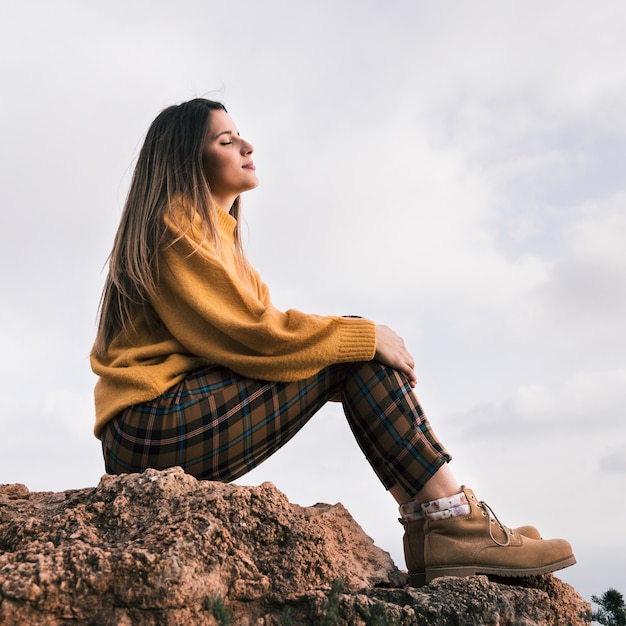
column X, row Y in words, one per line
column 215, row 315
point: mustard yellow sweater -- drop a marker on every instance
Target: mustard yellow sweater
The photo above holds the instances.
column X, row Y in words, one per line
column 211, row 316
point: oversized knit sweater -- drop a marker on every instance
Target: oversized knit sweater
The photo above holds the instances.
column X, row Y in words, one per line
column 209, row 315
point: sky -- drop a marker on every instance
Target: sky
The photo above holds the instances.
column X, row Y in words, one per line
column 454, row 170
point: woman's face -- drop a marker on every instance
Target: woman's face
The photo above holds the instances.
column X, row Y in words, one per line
column 227, row 160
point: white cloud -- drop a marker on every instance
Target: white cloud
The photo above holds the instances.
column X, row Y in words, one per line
column 68, row 409
column 615, row 461
column 582, row 303
column 451, row 170
column 589, row 403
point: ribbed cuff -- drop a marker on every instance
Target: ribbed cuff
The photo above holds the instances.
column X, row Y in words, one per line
column 358, row 339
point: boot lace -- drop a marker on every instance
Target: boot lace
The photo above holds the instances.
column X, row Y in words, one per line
column 492, row 517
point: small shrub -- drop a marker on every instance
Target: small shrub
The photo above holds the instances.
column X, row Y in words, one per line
column 331, row 618
column 286, row 617
column 215, row 604
column 612, row 611
column 379, row 615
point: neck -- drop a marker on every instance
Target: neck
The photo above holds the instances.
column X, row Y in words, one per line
column 225, row 202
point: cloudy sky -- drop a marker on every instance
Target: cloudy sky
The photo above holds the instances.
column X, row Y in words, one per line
column 454, row 170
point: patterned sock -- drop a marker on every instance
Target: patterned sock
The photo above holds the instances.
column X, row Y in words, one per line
column 411, row 511
column 444, row 508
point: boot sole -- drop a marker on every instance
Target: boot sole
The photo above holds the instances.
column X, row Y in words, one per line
column 475, row 570
column 416, row 579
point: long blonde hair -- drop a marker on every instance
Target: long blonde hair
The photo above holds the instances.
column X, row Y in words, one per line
column 169, row 165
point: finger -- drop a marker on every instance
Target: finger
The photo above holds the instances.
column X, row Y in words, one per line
column 411, row 379
column 412, row 375
column 409, row 372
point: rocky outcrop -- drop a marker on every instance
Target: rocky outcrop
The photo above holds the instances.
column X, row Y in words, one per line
column 161, row 548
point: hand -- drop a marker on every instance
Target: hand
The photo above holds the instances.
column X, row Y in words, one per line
column 390, row 350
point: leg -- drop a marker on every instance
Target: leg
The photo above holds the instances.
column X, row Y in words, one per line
column 441, row 485
column 393, row 432
column 390, row 426
column 215, row 424
column 453, row 533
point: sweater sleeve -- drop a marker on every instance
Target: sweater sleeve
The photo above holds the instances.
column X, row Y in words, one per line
column 214, row 314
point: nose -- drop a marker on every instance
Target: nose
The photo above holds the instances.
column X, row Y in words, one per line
column 246, row 147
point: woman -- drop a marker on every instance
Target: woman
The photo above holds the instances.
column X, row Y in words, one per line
column 198, row 369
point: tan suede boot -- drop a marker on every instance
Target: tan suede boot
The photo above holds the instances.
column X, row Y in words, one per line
column 413, row 542
column 478, row 544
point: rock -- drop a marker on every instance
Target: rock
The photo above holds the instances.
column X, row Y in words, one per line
column 164, row 549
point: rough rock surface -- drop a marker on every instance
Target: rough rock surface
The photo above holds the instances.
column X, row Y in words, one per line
column 162, row 548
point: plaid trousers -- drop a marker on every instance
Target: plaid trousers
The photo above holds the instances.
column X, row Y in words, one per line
column 218, row 425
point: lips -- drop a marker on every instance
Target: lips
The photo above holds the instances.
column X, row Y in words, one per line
column 249, row 166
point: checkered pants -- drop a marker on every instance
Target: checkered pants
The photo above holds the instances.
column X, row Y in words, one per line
column 218, row 425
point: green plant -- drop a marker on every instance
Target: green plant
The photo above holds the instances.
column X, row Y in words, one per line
column 286, row 617
column 612, row 611
column 379, row 616
column 215, row 604
column 331, row 618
